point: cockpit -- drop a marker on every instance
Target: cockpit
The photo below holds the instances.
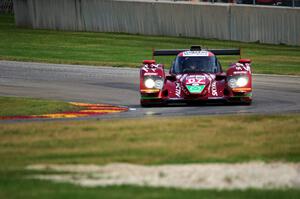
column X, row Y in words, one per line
column 196, row 64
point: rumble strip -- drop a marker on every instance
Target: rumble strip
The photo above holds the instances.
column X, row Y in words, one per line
column 88, row 110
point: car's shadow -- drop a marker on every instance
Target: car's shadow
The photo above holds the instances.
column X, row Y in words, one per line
column 193, row 104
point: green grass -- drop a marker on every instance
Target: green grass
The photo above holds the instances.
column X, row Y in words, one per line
column 152, row 141
column 15, row 106
column 14, row 187
column 128, row 50
column 239, row 138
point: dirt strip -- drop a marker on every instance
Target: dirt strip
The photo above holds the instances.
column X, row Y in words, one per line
column 188, row 176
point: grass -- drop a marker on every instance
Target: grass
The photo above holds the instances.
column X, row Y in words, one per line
column 16, row 187
column 15, row 106
column 116, row 49
column 152, row 140
column 237, row 138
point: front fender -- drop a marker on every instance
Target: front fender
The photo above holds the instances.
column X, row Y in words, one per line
column 236, row 71
column 150, row 69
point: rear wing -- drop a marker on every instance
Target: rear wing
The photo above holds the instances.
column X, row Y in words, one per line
column 175, row 52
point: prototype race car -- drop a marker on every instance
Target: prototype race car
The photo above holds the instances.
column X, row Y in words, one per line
column 196, row 75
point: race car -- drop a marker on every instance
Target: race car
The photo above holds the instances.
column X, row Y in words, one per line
column 195, row 76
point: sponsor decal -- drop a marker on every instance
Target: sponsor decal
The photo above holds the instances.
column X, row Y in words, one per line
column 212, row 76
column 247, row 67
column 182, row 77
column 240, row 72
column 151, row 67
column 178, row 89
column 195, row 53
column 195, row 89
column 209, row 77
column 243, row 67
column 214, row 91
column 178, row 76
column 198, row 79
column 150, row 73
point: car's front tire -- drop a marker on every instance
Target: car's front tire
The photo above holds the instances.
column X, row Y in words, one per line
column 241, row 101
column 147, row 103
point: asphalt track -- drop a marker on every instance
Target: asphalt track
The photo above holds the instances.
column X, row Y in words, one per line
column 273, row 94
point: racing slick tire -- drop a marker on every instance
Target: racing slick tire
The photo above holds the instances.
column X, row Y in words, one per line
column 241, row 101
column 150, row 103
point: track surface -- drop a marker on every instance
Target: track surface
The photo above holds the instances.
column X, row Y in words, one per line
column 119, row 86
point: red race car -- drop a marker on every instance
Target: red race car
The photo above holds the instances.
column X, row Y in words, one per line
column 195, row 76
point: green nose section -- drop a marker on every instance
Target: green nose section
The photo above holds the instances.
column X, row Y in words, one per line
column 195, row 89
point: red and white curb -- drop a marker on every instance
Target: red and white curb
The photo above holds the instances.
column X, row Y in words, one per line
column 88, row 110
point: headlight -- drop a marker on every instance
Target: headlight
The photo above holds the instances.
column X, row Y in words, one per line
column 159, row 84
column 238, row 81
column 242, row 81
column 154, row 82
column 149, row 83
column 232, row 82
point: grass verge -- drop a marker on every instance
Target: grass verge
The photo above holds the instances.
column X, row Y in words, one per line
column 128, row 50
column 144, row 141
column 13, row 187
column 152, row 140
column 15, row 106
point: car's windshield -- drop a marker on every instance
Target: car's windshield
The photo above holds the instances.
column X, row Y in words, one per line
column 204, row 64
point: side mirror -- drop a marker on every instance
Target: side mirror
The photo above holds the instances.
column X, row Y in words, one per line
column 171, row 77
column 220, row 76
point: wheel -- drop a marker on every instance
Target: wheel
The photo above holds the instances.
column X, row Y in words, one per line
column 246, row 103
column 147, row 103
column 240, row 101
column 143, row 104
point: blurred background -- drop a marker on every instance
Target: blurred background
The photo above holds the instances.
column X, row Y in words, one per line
column 6, row 6
column 291, row 3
